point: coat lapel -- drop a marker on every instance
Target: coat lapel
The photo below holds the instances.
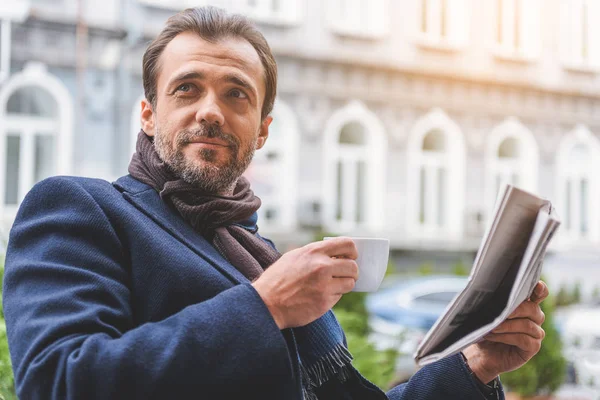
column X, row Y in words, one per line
column 147, row 200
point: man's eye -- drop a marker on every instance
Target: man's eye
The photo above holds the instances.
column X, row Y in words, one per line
column 185, row 87
column 238, row 94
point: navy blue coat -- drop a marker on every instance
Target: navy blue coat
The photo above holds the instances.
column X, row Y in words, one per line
column 110, row 294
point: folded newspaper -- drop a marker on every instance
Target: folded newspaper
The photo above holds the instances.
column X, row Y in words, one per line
column 506, row 269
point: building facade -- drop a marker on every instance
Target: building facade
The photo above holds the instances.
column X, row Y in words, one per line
column 394, row 118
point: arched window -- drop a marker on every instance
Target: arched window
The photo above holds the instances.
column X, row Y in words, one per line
column 36, row 119
column 436, row 157
column 578, row 193
column 273, row 172
column 353, row 170
column 580, row 47
column 512, row 157
column 518, row 28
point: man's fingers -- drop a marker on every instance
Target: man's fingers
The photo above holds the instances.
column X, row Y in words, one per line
column 344, row 268
column 520, row 340
column 342, row 285
column 540, row 292
column 341, row 247
column 521, row 325
column 529, row 309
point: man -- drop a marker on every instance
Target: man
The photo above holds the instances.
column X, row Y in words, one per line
column 159, row 285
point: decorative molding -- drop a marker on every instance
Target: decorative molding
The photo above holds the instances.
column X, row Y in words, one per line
column 338, row 82
column 312, row 112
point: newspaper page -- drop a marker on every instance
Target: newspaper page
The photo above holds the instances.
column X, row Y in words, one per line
column 506, row 269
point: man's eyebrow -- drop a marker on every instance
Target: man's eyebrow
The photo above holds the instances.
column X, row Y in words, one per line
column 186, row 75
column 240, row 81
column 231, row 78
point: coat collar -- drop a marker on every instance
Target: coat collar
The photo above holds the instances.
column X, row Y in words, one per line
column 148, row 201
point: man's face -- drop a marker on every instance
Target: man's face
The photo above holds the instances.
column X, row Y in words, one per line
column 207, row 120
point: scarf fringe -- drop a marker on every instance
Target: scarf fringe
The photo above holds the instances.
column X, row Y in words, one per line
column 336, row 364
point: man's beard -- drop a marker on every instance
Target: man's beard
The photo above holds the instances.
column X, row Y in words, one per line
column 201, row 170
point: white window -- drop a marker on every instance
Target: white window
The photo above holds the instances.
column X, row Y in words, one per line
column 284, row 12
column 36, row 118
column 359, row 18
column 354, row 146
column 273, row 172
column 278, row 12
column 578, row 193
column 580, row 46
column 444, row 23
column 135, row 124
column 14, row 10
column 511, row 157
column 518, row 28
column 436, row 157
column 173, row 4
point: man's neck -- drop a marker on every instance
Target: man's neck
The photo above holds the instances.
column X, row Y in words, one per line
column 228, row 192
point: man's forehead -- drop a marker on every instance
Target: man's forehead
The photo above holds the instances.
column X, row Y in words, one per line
column 188, row 47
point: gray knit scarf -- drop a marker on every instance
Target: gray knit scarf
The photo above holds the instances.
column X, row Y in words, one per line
column 322, row 352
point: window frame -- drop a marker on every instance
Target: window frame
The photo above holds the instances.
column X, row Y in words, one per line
column 456, row 21
column 530, row 44
column 176, row 5
column 374, row 155
column 453, row 161
column 291, row 13
column 375, row 11
column 570, row 35
column 526, row 164
column 579, row 135
column 35, row 75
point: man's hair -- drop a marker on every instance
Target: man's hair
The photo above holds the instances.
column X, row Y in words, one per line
column 211, row 24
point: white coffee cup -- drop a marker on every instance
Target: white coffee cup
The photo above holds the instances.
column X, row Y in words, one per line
column 373, row 255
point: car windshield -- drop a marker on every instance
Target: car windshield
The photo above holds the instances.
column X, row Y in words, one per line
column 441, row 298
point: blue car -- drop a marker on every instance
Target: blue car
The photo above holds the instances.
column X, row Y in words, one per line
column 404, row 309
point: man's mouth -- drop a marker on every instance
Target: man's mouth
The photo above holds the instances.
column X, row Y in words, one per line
column 209, row 142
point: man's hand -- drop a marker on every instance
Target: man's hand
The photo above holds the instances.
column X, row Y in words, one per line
column 306, row 282
column 512, row 343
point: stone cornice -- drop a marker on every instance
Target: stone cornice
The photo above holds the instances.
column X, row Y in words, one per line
column 423, row 70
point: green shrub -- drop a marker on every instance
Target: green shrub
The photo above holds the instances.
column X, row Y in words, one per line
column 460, row 269
column 7, row 389
column 352, row 322
column 562, row 297
column 426, row 269
column 576, row 295
column 596, row 293
column 377, row 366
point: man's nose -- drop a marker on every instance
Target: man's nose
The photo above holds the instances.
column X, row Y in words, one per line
column 209, row 111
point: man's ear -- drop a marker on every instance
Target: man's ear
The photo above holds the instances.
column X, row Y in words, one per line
column 264, row 132
column 147, row 118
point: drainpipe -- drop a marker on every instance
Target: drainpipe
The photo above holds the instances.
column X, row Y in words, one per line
column 5, row 31
column 81, row 49
column 18, row 12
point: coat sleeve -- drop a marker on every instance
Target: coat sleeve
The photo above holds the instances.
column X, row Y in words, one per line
column 446, row 379
column 70, row 324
